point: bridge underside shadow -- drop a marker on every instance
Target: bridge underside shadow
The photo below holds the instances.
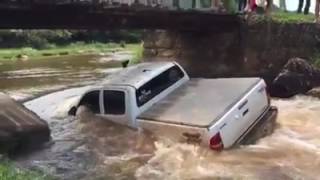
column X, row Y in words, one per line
column 84, row 17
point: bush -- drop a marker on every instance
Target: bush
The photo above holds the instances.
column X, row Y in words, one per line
column 39, row 39
column 47, row 39
column 230, row 5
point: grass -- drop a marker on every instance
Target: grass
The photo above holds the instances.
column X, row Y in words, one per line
column 292, row 17
column 71, row 49
column 137, row 50
column 9, row 172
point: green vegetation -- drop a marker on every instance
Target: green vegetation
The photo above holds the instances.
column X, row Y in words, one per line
column 230, row 5
column 34, row 44
column 292, row 17
column 9, row 172
column 44, row 39
column 283, row 18
column 71, row 49
column 137, row 51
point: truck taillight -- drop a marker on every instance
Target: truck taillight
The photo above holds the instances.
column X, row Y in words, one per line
column 216, row 142
column 265, row 89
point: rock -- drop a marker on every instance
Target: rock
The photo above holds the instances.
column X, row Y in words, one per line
column 315, row 92
column 20, row 127
column 123, row 44
column 166, row 53
column 22, row 57
column 164, row 39
column 296, row 77
column 64, row 53
column 149, row 53
column 48, row 54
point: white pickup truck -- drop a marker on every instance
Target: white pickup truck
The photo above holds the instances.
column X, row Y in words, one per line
column 161, row 98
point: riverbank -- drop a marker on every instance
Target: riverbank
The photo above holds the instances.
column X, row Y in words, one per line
column 79, row 48
column 292, row 17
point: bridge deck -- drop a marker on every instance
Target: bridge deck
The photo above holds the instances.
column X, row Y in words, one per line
column 69, row 16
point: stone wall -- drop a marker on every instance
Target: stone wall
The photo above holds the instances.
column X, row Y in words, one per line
column 254, row 49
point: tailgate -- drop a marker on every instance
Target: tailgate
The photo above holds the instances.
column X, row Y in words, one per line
column 234, row 123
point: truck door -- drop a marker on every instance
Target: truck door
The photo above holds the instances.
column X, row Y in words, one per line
column 91, row 100
column 114, row 105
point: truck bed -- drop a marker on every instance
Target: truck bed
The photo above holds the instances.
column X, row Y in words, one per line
column 200, row 102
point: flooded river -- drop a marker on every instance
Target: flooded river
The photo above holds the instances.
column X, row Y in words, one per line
column 92, row 148
column 25, row 79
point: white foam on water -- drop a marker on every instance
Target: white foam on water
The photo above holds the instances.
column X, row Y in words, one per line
column 291, row 152
column 55, row 104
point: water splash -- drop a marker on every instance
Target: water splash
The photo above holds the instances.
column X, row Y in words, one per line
column 291, row 152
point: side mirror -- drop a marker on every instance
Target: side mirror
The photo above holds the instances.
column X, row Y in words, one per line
column 72, row 111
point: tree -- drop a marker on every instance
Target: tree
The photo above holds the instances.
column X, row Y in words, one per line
column 283, row 5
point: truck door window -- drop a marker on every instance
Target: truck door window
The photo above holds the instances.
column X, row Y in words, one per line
column 156, row 85
column 114, row 102
column 91, row 100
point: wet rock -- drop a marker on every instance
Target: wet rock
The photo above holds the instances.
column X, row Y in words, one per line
column 296, row 77
column 7, row 141
column 19, row 127
column 315, row 92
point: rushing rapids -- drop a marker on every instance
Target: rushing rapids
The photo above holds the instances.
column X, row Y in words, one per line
column 291, row 152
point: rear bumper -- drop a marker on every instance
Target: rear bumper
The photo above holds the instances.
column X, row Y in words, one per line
column 269, row 115
column 262, row 127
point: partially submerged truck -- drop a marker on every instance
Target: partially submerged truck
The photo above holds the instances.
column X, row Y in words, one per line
column 161, row 98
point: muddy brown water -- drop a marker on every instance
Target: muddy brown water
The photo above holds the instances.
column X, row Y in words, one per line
column 25, row 79
column 92, row 148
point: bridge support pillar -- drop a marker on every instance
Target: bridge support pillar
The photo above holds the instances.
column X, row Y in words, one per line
column 253, row 49
column 202, row 54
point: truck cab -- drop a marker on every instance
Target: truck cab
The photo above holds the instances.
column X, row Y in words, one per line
column 122, row 98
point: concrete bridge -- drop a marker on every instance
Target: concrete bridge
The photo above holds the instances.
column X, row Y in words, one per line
column 120, row 14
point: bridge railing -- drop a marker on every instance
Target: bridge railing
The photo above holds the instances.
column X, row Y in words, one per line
column 169, row 4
